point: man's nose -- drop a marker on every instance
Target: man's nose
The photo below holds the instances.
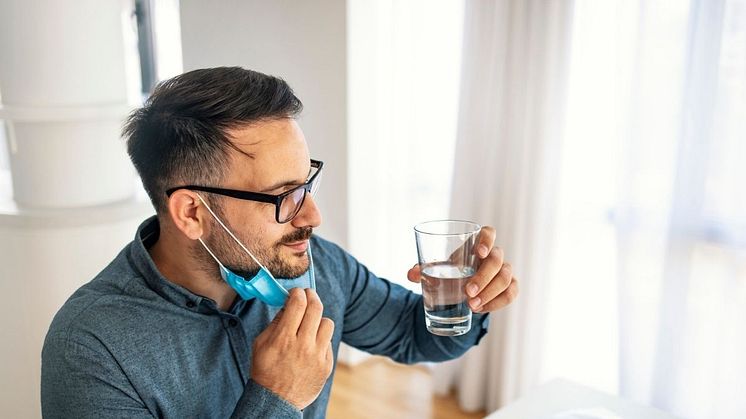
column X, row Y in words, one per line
column 309, row 214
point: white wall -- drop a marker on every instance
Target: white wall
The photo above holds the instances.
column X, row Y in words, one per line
column 303, row 42
column 68, row 74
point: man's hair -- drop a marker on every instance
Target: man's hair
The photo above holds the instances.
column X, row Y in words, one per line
column 180, row 135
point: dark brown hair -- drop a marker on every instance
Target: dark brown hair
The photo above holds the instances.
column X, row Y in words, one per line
column 179, row 135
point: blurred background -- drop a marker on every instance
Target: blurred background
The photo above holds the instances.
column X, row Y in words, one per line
column 604, row 139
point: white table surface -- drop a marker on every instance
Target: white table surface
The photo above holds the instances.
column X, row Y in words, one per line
column 558, row 396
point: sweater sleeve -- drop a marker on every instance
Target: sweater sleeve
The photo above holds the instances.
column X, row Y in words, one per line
column 259, row 402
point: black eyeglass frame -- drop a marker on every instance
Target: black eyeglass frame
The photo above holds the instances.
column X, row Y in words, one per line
column 261, row 197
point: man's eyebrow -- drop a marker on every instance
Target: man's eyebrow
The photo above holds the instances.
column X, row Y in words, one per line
column 282, row 183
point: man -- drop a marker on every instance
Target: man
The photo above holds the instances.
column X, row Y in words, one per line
column 162, row 332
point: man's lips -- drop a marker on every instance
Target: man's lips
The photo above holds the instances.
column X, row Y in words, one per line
column 299, row 246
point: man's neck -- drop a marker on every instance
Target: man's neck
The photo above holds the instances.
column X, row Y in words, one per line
column 171, row 257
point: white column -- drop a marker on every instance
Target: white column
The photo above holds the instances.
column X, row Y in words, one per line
column 69, row 74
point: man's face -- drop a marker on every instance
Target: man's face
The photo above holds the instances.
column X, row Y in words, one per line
column 273, row 159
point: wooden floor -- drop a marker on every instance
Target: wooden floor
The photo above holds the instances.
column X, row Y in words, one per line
column 379, row 388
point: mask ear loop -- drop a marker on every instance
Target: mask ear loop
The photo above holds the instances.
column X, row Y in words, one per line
column 211, row 254
column 232, row 236
column 311, row 271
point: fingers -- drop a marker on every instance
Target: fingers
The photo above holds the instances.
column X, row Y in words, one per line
column 329, row 355
column 311, row 319
column 295, row 357
column 276, row 319
column 502, row 300
column 488, row 269
column 326, row 330
column 496, row 286
column 293, row 312
column 302, row 316
column 329, row 359
column 414, row 274
column 485, row 241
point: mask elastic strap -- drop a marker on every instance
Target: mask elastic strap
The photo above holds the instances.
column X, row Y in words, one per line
column 232, row 236
column 311, row 272
column 210, row 252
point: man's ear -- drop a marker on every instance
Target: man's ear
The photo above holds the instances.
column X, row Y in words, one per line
column 183, row 209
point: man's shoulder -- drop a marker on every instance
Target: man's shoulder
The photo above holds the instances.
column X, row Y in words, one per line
column 99, row 303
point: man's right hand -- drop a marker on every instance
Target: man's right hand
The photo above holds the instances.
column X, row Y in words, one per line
column 293, row 356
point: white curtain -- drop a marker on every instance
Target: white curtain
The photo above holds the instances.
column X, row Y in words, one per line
column 630, row 238
column 403, row 78
column 403, row 74
column 681, row 213
column 648, row 290
column 510, row 124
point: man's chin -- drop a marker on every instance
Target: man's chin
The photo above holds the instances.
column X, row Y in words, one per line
column 291, row 274
column 294, row 266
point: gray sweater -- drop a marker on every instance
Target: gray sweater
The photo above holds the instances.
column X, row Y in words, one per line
column 131, row 344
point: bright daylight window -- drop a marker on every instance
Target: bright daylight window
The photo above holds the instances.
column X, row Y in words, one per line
column 649, row 275
column 404, row 68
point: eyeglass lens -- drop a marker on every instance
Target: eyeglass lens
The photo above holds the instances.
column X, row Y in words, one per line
column 292, row 203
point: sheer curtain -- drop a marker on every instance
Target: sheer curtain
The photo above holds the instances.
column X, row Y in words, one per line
column 648, row 280
column 403, row 80
column 681, row 317
column 403, row 69
column 510, row 126
column 629, row 235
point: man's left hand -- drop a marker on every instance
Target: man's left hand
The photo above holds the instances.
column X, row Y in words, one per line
column 493, row 286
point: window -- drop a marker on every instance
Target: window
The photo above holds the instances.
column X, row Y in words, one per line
column 404, row 68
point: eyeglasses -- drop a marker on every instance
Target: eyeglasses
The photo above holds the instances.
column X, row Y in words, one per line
column 287, row 204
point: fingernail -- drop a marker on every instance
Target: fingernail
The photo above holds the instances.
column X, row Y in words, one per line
column 472, row 290
column 475, row 303
column 483, row 250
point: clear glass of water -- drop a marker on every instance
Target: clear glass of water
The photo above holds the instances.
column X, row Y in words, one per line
column 447, row 257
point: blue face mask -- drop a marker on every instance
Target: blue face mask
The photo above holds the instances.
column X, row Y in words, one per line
column 262, row 286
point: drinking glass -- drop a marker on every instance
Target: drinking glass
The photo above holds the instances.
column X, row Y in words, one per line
column 445, row 249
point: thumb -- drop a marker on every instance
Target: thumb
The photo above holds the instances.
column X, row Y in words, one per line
column 485, row 241
column 414, row 273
